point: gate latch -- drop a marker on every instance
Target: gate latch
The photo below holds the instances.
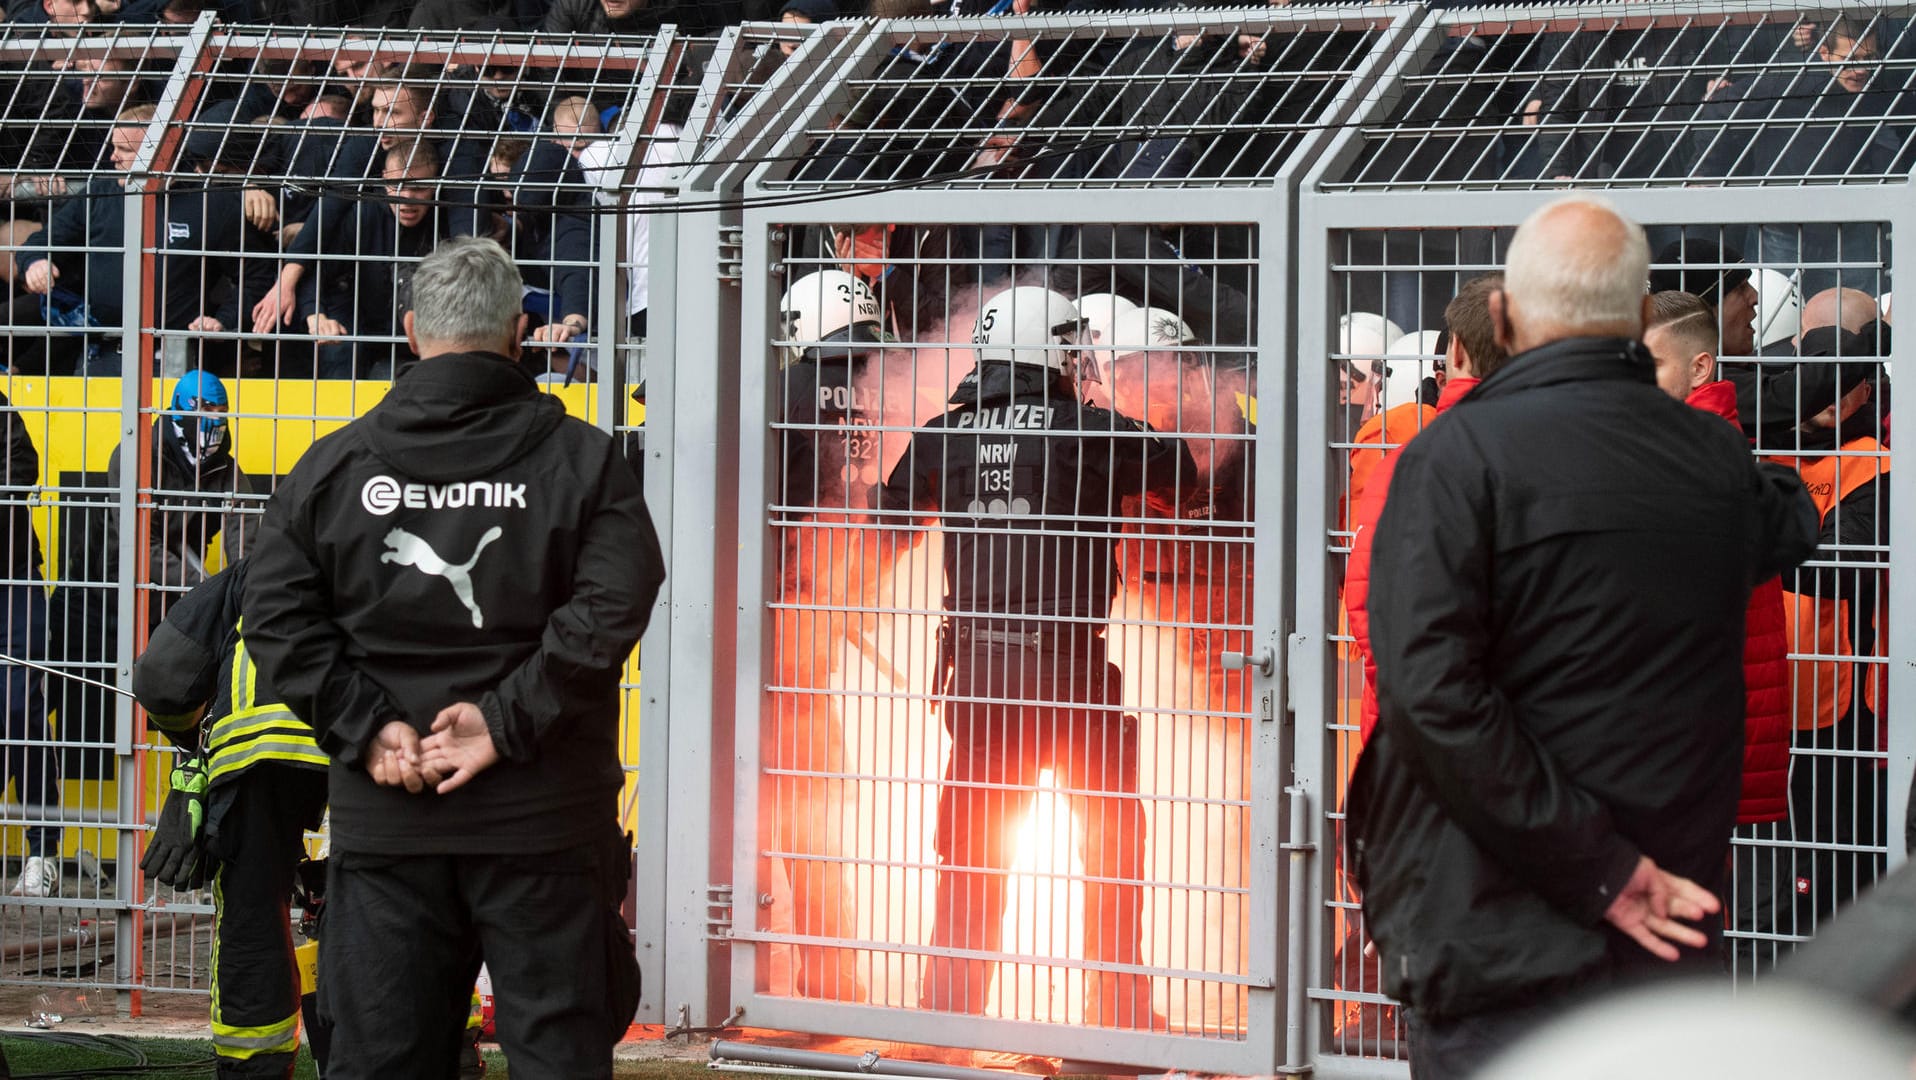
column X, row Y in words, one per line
column 1264, row 660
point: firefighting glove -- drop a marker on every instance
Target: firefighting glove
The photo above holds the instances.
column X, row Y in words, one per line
column 175, row 854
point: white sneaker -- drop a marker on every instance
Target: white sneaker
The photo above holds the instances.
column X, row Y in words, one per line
column 39, row 877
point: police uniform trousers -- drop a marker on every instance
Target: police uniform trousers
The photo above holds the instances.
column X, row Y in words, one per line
column 256, row 828
column 1058, row 720
column 402, row 937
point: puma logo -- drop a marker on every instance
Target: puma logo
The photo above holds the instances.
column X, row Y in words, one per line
column 410, row 550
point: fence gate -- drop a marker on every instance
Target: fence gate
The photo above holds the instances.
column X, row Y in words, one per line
column 1479, row 123
column 1120, row 900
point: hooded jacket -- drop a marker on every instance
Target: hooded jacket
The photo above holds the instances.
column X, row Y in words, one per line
column 1541, row 610
column 1766, row 670
column 1370, row 507
column 465, row 540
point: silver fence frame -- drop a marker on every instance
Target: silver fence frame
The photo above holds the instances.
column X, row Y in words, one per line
column 711, row 282
column 1328, row 208
column 717, row 506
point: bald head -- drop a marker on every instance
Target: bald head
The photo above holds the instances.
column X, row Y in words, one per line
column 1575, row 269
column 1851, row 309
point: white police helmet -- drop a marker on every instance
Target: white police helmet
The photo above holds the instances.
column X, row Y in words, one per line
column 828, row 307
column 1101, row 311
column 1030, row 325
column 1365, row 333
column 1415, row 357
column 1144, row 329
column 1779, row 307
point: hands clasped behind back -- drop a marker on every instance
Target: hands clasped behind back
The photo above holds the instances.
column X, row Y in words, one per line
column 459, row 748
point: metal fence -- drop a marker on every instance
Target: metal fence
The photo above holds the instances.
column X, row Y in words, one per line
column 1287, row 197
column 249, row 205
column 1486, row 117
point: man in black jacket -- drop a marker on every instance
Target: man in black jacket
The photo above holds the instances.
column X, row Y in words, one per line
column 1560, row 579
column 30, row 765
column 446, row 590
column 1027, row 481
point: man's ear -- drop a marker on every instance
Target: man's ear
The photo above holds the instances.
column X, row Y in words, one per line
column 1456, row 360
column 517, row 345
column 1500, row 320
column 1647, row 314
column 412, row 339
column 1702, row 369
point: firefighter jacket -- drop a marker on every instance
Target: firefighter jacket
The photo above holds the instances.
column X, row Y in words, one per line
column 1561, row 568
column 464, row 541
column 197, row 659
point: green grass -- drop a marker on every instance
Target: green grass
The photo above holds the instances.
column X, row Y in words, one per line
column 30, row 1055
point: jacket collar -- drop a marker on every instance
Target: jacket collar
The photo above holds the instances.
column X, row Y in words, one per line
column 1572, row 360
column 1716, row 398
column 1455, row 390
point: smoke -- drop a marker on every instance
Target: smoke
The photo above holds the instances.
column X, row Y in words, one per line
column 1183, row 599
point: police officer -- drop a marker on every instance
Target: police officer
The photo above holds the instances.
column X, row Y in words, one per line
column 829, row 461
column 447, row 590
column 251, row 782
column 1027, row 481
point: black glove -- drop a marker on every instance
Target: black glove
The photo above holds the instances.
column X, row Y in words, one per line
column 175, row 853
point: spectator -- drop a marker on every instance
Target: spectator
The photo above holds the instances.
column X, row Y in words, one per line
column 1850, row 309
column 1523, row 786
column 1822, row 120
column 804, row 13
column 1836, row 797
column 1472, row 356
column 349, row 272
column 606, row 173
column 31, row 761
column 574, row 121
column 58, row 12
column 470, row 707
column 1681, row 335
column 205, row 274
column 692, row 17
column 1713, row 272
column 200, row 492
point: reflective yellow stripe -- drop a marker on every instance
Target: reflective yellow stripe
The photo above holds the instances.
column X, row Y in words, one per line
column 289, row 749
column 257, row 731
column 246, row 1042
column 234, row 1041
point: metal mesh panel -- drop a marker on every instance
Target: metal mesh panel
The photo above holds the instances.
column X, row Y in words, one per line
column 171, row 227
column 1827, row 837
column 73, row 772
column 1193, row 102
column 1003, row 771
column 1621, row 96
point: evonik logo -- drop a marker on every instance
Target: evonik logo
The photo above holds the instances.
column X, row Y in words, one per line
column 381, row 495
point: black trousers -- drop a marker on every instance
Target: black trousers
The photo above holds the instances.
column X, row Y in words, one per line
column 401, row 943
column 1458, row 1049
column 255, row 837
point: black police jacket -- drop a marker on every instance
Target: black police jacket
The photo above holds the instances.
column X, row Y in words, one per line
column 1559, row 583
column 1030, row 484
column 463, row 541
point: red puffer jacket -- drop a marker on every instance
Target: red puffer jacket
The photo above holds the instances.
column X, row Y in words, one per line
column 1364, row 517
column 1766, row 673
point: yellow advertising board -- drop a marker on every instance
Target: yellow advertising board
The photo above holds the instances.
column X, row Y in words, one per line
column 77, row 423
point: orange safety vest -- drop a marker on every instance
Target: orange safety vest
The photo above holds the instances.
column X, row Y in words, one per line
column 1819, row 625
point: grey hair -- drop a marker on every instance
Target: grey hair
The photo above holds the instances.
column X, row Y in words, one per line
column 467, row 292
column 1595, row 283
